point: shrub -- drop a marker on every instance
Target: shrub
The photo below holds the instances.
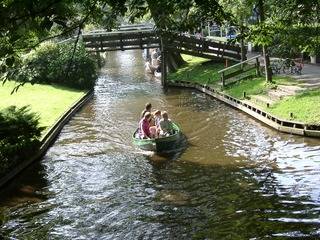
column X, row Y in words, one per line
column 53, row 63
column 19, row 136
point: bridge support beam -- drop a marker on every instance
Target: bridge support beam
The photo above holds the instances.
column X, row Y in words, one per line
column 164, row 67
column 164, row 60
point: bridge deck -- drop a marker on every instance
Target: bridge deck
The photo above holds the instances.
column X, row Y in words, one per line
column 99, row 41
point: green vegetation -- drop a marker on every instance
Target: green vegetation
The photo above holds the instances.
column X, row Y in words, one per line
column 255, row 86
column 305, row 107
column 19, row 136
column 57, row 64
column 50, row 101
column 250, row 86
column 198, row 70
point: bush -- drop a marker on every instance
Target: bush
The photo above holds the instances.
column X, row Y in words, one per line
column 19, row 134
column 51, row 63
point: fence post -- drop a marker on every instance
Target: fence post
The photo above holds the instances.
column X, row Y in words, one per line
column 222, row 79
column 258, row 67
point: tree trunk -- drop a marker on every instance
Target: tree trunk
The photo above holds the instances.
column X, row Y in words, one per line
column 267, row 67
column 174, row 59
column 266, row 57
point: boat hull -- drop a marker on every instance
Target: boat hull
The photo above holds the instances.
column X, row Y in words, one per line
column 159, row 144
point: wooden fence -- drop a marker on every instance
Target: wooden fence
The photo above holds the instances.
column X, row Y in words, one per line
column 241, row 70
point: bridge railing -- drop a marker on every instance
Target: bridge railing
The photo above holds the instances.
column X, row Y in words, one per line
column 205, row 48
column 111, row 41
column 119, row 40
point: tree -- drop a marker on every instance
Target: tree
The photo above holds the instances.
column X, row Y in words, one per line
column 25, row 24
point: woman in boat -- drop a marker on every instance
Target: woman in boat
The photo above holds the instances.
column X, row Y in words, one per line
column 144, row 126
column 165, row 125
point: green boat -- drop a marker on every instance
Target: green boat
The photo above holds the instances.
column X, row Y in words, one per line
column 161, row 144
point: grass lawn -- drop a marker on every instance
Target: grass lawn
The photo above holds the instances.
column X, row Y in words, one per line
column 50, row 101
column 305, row 107
column 198, row 70
column 256, row 86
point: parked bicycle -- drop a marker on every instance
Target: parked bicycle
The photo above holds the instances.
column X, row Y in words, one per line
column 292, row 66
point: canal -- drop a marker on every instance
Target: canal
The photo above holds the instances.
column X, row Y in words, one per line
column 236, row 179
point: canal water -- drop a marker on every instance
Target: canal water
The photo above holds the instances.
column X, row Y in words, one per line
column 234, row 179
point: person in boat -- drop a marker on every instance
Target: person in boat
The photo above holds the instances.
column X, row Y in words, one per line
column 157, row 117
column 144, row 126
column 148, row 108
column 165, row 125
column 154, row 123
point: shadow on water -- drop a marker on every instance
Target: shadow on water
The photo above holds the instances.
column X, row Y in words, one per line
column 169, row 155
column 28, row 187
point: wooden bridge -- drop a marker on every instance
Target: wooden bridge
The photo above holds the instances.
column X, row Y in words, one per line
column 130, row 37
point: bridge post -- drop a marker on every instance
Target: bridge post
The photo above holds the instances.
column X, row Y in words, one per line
column 163, row 67
column 163, row 63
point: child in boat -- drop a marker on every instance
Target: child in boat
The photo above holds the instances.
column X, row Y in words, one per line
column 144, row 126
column 157, row 117
column 148, row 108
column 165, row 124
column 154, row 124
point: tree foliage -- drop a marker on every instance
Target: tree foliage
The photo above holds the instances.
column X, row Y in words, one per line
column 49, row 64
column 19, row 136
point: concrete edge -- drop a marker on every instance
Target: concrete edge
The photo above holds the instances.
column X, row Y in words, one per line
column 281, row 125
column 49, row 138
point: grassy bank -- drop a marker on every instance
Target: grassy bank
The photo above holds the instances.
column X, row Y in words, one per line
column 198, row 70
column 304, row 106
column 256, row 86
column 50, row 101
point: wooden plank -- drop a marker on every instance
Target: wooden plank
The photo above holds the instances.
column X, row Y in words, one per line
column 197, row 54
column 124, row 43
column 114, row 38
column 238, row 64
column 235, row 73
column 124, row 48
column 117, row 36
column 209, row 43
column 189, row 47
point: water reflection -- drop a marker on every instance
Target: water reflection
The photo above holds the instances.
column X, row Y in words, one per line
column 235, row 180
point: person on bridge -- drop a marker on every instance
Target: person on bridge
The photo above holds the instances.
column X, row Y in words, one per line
column 144, row 126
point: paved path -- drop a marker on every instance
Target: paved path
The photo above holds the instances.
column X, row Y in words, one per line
column 308, row 79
